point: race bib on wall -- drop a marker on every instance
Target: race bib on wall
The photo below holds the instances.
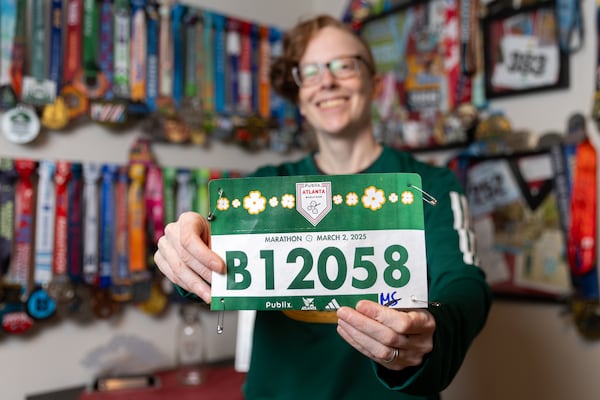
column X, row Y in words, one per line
column 318, row 242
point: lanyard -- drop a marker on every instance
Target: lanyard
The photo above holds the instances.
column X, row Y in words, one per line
column 570, row 25
column 122, row 35
column 106, row 62
column 8, row 181
column 165, row 50
column 17, row 65
column 138, row 51
column 264, row 97
column 73, row 39
column 154, row 191
column 74, row 223
column 191, row 54
column 184, row 191
column 233, row 50
column 107, row 224
column 581, row 246
column 61, row 181
column 152, row 57
column 178, row 52
column 56, row 47
column 44, row 231
column 136, row 218
column 91, row 174
column 219, row 63
column 208, row 87
column 245, row 71
column 169, row 178
column 121, row 289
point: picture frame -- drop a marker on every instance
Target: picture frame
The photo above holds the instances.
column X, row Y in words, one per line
column 421, row 84
column 522, row 53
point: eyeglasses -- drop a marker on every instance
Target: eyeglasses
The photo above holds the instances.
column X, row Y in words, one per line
column 341, row 68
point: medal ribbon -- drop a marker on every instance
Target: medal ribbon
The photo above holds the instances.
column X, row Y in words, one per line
column 38, row 41
column 570, row 25
column 245, row 72
column 169, row 178
column 201, row 205
column 106, row 61
column 184, row 191
column 154, row 201
column 61, row 184
column 152, row 58
column 191, row 54
column 178, row 53
column 8, row 19
column 581, row 248
column 24, row 203
column 122, row 272
column 8, row 182
column 207, row 60
column 56, row 37
column 73, row 44
column 138, row 51
column 91, row 174
column 44, row 230
column 165, row 51
column 136, row 219
column 233, row 49
column 122, row 35
column 254, row 56
column 264, row 65
column 219, row 63
column 107, row 224
column 17, row 64
column 74, row 223
column 91, row 28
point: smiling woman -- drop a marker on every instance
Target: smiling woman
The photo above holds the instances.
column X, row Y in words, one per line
column 370, row 350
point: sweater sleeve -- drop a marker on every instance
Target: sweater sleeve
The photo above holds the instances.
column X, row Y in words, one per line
column 455, row 281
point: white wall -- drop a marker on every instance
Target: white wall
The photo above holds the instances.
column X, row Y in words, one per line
column 526, row 351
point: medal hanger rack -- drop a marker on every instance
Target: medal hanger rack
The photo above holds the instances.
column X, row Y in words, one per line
column 78, row 237
column 186, row 75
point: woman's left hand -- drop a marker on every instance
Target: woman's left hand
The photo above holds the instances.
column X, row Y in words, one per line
column 393, row 338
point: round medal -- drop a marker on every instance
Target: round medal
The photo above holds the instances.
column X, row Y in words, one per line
column 56, row 116
column 20, row 124
column 40, row 305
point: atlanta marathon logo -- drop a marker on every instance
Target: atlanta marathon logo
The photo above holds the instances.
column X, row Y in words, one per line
column 313, row 200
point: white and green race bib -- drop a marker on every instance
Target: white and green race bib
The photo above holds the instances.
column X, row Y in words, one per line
column 318, row 242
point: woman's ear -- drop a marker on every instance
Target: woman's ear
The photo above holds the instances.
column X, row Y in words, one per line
column 377, row 86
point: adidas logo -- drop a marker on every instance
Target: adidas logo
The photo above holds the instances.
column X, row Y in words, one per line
column 332, row 305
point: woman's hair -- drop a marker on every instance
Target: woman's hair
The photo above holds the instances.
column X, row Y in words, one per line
column 295, row 42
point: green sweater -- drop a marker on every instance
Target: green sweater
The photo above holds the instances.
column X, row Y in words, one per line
column 299, row 360
column 294, row 360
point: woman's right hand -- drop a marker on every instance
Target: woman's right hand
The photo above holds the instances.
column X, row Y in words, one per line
column 184, row 255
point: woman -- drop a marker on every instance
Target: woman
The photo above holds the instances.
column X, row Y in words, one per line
column 370, row 352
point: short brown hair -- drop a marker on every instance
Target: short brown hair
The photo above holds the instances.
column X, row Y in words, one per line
column 295, row 42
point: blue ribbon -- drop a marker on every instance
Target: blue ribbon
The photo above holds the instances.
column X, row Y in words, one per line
column 219, row 62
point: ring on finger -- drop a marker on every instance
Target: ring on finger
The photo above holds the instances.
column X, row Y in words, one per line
column 394, row 356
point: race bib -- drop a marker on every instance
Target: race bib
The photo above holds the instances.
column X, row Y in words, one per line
column 318, row 242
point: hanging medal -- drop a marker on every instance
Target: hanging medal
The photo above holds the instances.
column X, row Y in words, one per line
column 60, row 287
column 102, row 302
column 40, row 305
column 208, row 76
column 91, row 174
column 55, row 116
column 8, row 25
column 76, row 101
column 153, row 193
column 137, row 233
column 14, row 316
column 8, row 181
column 80, row 306
column 121, row 45
column 121, row 290
column 38, row 90
column 191, row 105
column 107, row 110
column 90, row 80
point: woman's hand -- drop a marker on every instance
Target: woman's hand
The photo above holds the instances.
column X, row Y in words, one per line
column 184, row 255
column 394, row 339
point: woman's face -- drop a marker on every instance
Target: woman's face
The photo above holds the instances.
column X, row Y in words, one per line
column 334, row 106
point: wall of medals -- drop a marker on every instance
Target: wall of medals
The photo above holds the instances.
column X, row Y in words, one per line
column 187, row 75
column 77, row 239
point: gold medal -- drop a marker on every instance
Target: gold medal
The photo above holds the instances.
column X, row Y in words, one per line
column 315, row 317
column 56, row 115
